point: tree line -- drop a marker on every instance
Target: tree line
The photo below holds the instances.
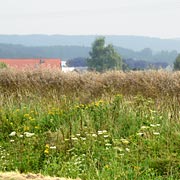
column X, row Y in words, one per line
column 104, row 57
column 71, row 52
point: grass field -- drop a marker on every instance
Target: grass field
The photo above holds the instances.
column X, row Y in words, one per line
column 113, row 125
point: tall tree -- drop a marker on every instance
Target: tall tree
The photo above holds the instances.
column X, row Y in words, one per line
column 177, row 63
column 103, row 57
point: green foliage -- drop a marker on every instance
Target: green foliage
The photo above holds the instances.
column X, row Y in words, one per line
column 72, row 52
column 116, row 138
column 77, row 62
column 3, row 65
column 110, row 136
column 103, row 57
column 177, row 63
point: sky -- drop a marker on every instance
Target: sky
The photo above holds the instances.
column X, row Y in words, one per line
column 154, row 18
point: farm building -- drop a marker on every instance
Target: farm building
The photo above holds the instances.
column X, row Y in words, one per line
column 32, row 63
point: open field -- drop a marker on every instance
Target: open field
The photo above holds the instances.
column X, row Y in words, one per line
column 91, row 126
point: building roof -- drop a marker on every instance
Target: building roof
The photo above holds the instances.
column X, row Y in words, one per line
column 32, row 63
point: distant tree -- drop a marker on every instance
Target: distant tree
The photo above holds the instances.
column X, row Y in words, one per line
column 146, row 54
column 103, row 57
column 177, row 63
column 77, row 62
column 3, row 65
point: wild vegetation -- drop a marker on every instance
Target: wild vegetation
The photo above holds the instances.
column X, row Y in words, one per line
column 112, row 125
column 177, row 63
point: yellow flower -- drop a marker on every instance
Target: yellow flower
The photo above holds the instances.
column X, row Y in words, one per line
column 26, row 128
column 124, row 141
column 46, row 151
column 47, row 146
column 26, row 115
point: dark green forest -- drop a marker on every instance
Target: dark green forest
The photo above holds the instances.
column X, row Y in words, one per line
column 71, row 52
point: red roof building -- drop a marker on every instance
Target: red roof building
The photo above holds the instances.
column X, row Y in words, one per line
column 32, row 63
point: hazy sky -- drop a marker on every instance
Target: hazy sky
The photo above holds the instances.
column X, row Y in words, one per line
column 155, row 18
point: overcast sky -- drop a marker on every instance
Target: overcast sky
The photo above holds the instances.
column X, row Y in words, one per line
column 155, row 18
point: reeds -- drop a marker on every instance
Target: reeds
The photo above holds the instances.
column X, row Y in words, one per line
column 152, row 84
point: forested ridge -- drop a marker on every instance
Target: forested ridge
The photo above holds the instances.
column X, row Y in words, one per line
column 70, row 52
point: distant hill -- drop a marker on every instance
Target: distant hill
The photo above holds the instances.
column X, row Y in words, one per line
column 135, row 43
column 71, row 52
column 62, row 52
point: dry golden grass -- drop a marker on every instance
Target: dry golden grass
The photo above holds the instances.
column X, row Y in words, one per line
column 90, row 85
column 29, row 176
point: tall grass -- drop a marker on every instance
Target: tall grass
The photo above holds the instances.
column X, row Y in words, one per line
column 94, row 126
column 147, row 83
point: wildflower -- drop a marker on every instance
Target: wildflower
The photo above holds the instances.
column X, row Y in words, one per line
column 94, row 135
column 127, row 149
column 46, row 151
column 118, row 149
column 47, row 146
column 52, row 147
column 104, row 131
column 124, row 141
column 28, row 134
column 12, row 133
column 108, row 144
column 156, row 133
column 78, row 134
column 144, row 127
column 154, row 125
column 26, row 128
column 140, row 134
column 121, row 154
column 12, row 140
column 20, row 135
column 137, row 167
column 26, row 115
column 106, row 136
column 82, row 138
column 32, row 119
column 74, row 138
column 100, row 132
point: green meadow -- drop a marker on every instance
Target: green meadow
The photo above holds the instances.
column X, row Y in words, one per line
column 113, row 125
